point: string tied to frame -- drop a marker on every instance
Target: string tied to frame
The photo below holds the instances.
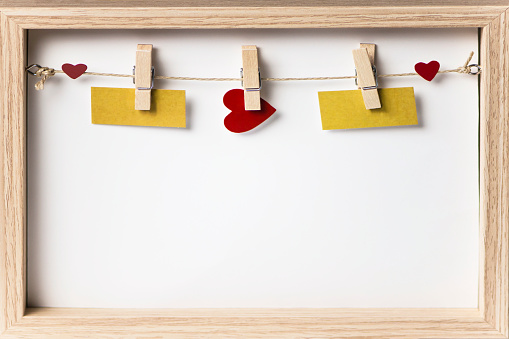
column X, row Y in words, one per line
column 468, row 68
column 41, row 72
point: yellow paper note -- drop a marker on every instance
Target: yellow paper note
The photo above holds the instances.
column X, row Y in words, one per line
column 345, row 109
column 115, row 106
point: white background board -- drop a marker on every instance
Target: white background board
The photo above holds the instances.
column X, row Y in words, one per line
column 287, row 215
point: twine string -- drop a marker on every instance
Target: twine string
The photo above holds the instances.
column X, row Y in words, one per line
column 45, row 73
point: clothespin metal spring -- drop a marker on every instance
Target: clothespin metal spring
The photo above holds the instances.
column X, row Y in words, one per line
column 152, row 76
column 376, row 79
column 249, row 89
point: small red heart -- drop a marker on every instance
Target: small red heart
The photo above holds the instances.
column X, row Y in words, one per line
column 427, row 71
column 74, row 71
column 239, row 120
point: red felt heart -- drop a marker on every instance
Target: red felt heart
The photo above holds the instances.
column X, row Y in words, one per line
column 74, row 71
column 427, row 71
column 240, row 120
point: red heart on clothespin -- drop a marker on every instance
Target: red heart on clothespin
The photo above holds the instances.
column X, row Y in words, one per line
column 74, row 71
column 240, row 120
column 427, row 71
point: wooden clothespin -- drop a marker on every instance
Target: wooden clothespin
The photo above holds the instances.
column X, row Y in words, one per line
column 364, row 59
column 251, row 80
column 143, row 77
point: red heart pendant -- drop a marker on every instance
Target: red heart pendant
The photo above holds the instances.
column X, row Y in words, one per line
column 239, row 120
column 74, row 71
column 427, row 71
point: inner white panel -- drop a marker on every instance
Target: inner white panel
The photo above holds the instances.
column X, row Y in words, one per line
column 287, row 215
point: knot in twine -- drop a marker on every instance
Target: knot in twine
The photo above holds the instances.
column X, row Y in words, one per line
column 44, row 73
column 467, row 69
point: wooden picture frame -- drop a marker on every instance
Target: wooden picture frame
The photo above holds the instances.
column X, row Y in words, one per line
column 489, row 320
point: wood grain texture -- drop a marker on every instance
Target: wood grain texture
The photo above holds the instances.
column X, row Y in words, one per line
column 254, row 17
column 263, row 323
column 250, row 3
column 13, row 206
column 494, row 174
column 489, row 321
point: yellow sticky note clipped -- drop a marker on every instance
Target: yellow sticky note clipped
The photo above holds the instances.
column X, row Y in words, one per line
column 115, row 106
column 345, row 109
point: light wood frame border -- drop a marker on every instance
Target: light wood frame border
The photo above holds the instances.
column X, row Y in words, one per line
column 489, row 320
